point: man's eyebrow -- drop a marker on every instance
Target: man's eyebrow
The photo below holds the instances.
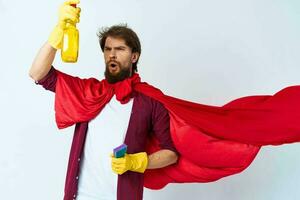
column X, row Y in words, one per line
column 117, row 47
column 121, row 47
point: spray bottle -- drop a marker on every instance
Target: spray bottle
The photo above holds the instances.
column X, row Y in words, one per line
column 70, row 46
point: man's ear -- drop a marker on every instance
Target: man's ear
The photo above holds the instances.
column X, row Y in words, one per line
column 135, row 57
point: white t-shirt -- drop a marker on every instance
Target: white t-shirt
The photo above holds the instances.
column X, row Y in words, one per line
column 106, row 131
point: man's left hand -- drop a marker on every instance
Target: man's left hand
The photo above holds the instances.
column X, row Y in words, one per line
column 136, row 162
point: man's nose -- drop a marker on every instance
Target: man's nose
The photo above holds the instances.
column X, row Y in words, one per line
column 113, row 54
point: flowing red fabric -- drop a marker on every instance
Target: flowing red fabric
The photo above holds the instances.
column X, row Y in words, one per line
column 213, row 142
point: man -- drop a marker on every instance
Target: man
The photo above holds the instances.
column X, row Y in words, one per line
column 129, row 121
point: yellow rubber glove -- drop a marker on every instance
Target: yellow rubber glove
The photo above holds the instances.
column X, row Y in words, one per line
column 67, row 13
column 136, row 162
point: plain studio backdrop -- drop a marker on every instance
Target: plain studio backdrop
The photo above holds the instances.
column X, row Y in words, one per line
column 208, row 52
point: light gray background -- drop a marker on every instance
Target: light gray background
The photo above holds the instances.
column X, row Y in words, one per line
column 205, row 51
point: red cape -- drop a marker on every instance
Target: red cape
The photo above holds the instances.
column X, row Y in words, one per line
column 213, row 141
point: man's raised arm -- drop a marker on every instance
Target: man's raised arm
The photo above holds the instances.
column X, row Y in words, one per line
column 42, row 63
column 44, row 58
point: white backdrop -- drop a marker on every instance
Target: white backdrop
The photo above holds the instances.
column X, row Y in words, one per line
column 205, row 51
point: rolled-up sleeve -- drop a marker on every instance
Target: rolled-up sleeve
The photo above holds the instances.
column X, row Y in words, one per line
column 49, row 81
column 161, row 127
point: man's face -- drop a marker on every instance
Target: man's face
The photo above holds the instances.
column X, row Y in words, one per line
column 118, row 59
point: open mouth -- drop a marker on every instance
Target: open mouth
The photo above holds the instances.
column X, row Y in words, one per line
column 113, row 65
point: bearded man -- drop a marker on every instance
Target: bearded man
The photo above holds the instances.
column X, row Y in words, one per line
column 127, row 117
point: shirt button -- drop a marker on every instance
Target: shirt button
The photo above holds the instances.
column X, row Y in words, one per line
column 78, row 159
column 77, row 177
column 74, row 195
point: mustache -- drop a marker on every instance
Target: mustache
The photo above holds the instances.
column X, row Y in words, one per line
column 113, row 61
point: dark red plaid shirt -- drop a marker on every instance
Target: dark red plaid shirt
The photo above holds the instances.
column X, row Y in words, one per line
column 148, row 117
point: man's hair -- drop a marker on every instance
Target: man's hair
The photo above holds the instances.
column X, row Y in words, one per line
column 124, row 32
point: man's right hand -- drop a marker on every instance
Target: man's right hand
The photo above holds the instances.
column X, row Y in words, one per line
column 67, row 13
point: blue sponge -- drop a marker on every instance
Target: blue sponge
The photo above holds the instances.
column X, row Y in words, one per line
column 120, row 151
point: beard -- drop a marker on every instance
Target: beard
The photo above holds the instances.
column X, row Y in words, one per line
column 120, row 76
